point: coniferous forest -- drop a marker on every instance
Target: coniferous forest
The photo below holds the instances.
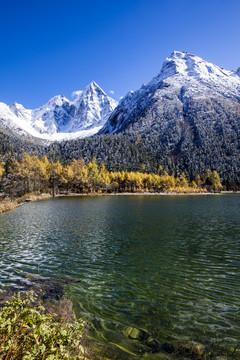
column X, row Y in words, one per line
column 129, row 152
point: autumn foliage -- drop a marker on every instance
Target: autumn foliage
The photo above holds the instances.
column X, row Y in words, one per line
column 31, row 174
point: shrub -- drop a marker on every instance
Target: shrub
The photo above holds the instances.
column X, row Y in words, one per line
column 27, row 332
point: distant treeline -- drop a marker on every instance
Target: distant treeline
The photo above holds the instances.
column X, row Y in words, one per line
column 31, row 174
column 129, row 152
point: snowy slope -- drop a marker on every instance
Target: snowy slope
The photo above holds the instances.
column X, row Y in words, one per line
column 61, row 119
column 183, row 78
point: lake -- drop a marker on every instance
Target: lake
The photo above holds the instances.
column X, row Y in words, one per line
column 169, row 265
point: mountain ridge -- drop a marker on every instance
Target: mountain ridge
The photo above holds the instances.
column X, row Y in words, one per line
column 188, row 74
column 61, row 119
column 186, row 119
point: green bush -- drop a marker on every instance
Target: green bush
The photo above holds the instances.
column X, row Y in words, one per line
column 27, row 332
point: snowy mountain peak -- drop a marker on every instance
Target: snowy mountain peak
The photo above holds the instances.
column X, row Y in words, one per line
column 20, row 111
column 16, row 108
column 56, row 100
column 60, row 118
column 93, row 85
column 186, row 64
column 184, row 67
column 88, row 93
column 183, row 77
column 93, row 106
column 94, row 88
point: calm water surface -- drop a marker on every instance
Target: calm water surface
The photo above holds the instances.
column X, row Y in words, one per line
column 167, row 264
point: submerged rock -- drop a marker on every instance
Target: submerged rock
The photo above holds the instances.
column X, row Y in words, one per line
column 146, row 340
column 168, row 347
column 134, row 333
column 154, row 344
column 44, row 288
column 193, row 349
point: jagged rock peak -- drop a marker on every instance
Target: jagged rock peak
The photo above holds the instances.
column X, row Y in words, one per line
column 94, row 87
column 15, row 106
column 238, row 71
column 20, row 111
column 90, row 92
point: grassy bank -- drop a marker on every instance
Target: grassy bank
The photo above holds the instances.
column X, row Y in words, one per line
column 7, row 205
column 34, row 197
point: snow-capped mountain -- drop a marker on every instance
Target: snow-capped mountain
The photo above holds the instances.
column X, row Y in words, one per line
column 187, row 118
column 61, row 119
column 187, row 86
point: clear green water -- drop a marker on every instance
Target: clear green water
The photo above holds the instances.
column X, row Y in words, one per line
column 167, row 264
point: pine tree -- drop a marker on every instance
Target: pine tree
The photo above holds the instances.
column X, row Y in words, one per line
column 183, row 181
column 198, row 180
column 206, row 178
column 1, row 168
column 215, row 181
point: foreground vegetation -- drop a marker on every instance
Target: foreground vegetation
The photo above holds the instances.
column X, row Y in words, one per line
column 31, row 331
column 31, row 174
column 28, row 331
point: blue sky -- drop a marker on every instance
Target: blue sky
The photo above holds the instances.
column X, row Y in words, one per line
column 55, row 47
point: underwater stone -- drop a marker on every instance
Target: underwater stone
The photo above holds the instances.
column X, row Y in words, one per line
column 153, row 344
column 193, row 349
column 167, row 347
column 133, row 333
